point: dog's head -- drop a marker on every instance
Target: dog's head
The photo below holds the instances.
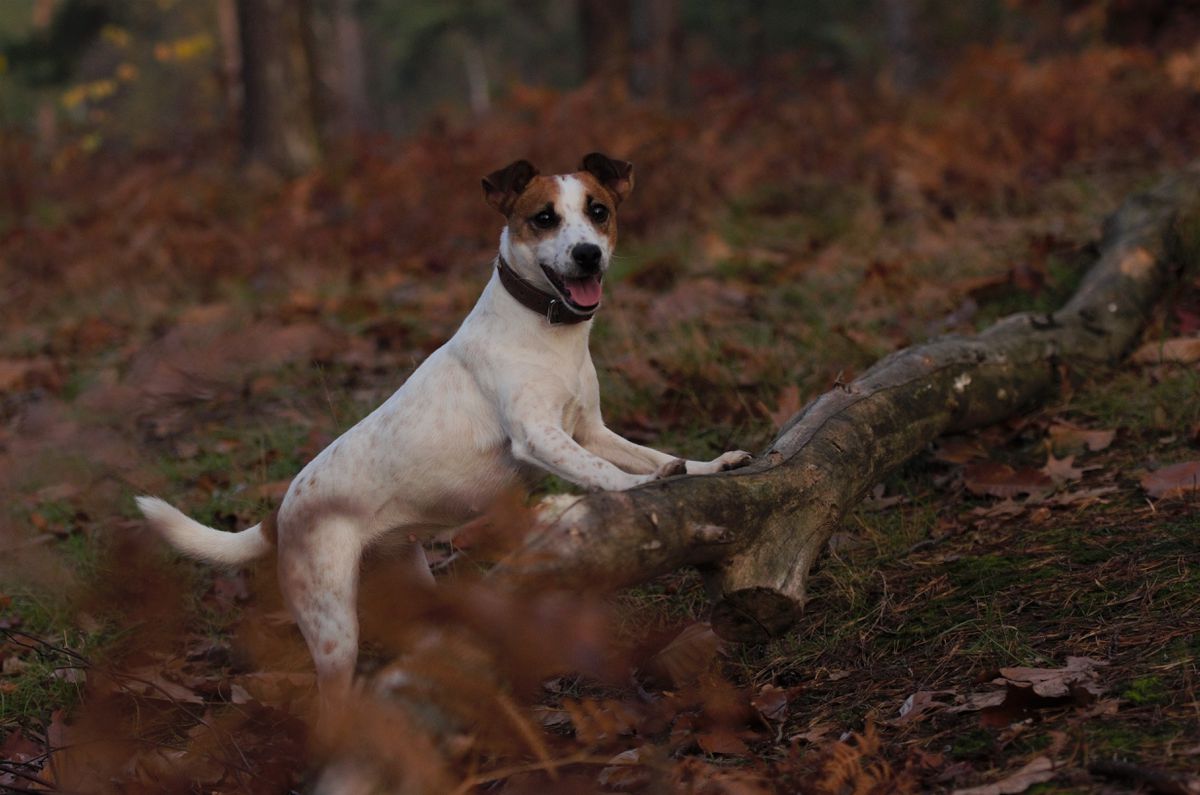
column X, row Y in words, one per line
column 561, row 229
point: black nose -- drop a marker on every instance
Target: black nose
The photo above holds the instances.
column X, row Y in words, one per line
column 586, row 256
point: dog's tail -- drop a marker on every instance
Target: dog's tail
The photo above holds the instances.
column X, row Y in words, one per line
column 200, row 541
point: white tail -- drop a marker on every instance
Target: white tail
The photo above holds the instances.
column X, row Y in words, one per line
column 200, row 541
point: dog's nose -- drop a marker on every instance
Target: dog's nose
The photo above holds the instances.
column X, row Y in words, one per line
column 586, row 256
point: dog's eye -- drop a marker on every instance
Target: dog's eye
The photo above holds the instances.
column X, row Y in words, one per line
column 599, row 213
column 545, row 220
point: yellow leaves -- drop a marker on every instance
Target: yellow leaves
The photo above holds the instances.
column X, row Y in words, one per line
column 116, row 36
column 184, row 49
column 94, row 91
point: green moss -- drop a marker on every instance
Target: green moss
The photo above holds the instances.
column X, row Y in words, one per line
column 1145, row 690
column 1148, row 408
column 973, row 743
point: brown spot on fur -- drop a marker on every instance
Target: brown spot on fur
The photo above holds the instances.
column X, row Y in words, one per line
column 540, row 192
column 602, row 194
column 328, row 646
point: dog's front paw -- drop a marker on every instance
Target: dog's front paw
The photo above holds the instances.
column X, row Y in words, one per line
column 734, row 459
column 674, row 467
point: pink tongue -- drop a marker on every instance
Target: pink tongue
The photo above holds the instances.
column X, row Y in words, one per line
column 584, row 292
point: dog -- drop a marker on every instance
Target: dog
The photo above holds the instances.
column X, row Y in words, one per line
column 513, row 390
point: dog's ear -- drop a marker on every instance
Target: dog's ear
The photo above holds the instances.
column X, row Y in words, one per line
column 501, row 188
column 616, row 175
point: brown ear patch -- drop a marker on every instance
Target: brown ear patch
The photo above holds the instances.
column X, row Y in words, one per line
column 502, row 188
column 541, row 192
column 615, row 175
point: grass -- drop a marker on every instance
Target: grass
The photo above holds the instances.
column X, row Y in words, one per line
column 39, row 679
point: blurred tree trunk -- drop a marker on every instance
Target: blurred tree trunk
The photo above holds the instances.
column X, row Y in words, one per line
column 46, row 115
column 354, row 112
column 655, row 43
column 479, row 93
column 898, row 27
column 231, row 59
column 279, row 108
column 606, row 32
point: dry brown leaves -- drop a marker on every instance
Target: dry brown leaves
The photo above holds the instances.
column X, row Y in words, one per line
column 1038, row 770
column 1180, row 350
column 1176, row 480
column 1026, row 690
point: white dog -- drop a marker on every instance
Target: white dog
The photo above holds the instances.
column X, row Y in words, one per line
column 514, row 388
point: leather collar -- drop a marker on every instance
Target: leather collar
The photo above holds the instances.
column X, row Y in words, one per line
column 556, row 311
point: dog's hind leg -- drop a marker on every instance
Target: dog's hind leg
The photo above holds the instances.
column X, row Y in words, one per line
column 318, row 575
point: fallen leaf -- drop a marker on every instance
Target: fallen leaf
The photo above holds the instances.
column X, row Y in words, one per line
column 1176, row 480
column 1006, row 508
column 1040, row 770
column 1027, row 690
column 691, row 653
column 878, row 501
column 625, row 772
column 1062, row 470
column 18, row 748
column 1180, row 350
column 1079, row 673
column 1067, row 438
column 601, row 721
column 958, row 450
column 771, row 703
column 1083, row 497
column 815, row 734
column 75, row 676
column 149, row 681
column 988, row 478
column 920, row 703
column 722, row 741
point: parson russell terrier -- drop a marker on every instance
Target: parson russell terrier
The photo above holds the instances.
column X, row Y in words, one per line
column 514, row 388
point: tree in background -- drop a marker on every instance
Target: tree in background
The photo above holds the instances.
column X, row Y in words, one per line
column 655, row 40
column 605, row 29
column 352, row 111
column 279, row 84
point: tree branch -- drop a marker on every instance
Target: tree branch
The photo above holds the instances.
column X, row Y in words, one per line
column 760, row 528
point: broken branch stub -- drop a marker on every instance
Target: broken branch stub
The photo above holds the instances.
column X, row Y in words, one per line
column 758, row 530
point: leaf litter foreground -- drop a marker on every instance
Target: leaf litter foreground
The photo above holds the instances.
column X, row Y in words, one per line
column 175, row 328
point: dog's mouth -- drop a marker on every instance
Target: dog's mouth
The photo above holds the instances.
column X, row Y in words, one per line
column 582, row 293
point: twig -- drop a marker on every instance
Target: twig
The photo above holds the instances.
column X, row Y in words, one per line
column 38, row 644
column 11, row 769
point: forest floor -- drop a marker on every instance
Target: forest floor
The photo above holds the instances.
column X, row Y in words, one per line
column 1015, row 610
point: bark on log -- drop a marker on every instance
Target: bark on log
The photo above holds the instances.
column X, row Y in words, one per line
column 758, row 530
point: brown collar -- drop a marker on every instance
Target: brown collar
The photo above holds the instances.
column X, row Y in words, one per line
column 556, row 311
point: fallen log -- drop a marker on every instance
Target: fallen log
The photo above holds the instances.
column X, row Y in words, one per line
column 757, row 531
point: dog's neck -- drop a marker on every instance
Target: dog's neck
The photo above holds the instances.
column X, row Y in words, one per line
column 548, row 305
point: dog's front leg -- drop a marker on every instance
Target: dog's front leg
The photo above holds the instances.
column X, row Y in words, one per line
column 551, row 448
column 632, row 457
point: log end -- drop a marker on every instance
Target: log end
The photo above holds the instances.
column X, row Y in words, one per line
column 754, row 615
